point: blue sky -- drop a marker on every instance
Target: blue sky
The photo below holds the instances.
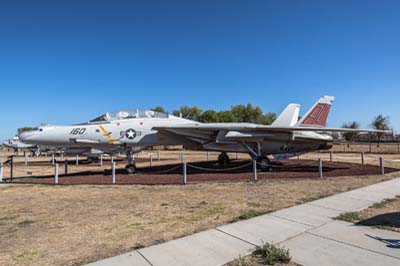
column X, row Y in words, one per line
column 65, row 62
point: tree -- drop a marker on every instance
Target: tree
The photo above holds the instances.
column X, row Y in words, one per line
column 23, row 129
column 192, row 113
column 209, row 116
column 350, row 136
column 226, row 117
column 247, row 113
column 380, row 123
column 269, row 118
column 158, row 109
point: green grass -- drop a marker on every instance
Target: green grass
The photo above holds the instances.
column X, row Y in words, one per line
column 384, row 202
column 385, row 227
column 4, row 220
column 25, row 223
column 317, row 197
column 351, row 217
column 248, row 214
column 271, row 254
column 242, row 261
column 25, row 256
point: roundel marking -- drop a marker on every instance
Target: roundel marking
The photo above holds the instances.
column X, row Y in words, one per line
column 130, row 133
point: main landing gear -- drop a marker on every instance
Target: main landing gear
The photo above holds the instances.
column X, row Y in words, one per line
column 263, row 162
column 255, row 152
column 131, row 166
column 223, row 159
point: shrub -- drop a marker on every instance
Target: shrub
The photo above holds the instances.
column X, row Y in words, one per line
column 271, row 254
column 241, row 261
column 351, row 217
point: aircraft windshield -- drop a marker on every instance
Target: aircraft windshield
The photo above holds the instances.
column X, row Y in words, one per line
column 128, row 114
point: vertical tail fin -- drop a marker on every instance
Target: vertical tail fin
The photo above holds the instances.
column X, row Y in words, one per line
column 288, row 117
column 318, row 114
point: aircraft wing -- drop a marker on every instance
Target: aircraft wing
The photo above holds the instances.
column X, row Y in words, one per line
column 222, row 132
column 212, row 127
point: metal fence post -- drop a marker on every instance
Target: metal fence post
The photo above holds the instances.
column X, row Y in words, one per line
column 56, row 173
column 254, row 170
column 207, row 155
column 151, row 159
column 77, row 160
column 112, row 159
column 237, row 156
column 113, row 172
column 62, row 156
column 330, row 156
column 66, row 167
column 12, row 168
column 184, row 173
column 181, row 156
column 158, row 156
column 382, row 166
column 1, row 172
column 320, row 167
column 26, row 158
column 53, row 159
column 101, row 159
column 362, row 158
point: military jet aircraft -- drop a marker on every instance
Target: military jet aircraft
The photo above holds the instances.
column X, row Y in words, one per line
column 130, row 130
column 15, row 144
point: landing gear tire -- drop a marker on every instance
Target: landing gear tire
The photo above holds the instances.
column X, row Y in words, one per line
column 264, row 163
column 130, row 168
column 223, row 159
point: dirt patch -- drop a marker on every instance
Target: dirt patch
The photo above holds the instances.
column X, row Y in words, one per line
column 383, row 215
column 237, row 170
column 90, row 222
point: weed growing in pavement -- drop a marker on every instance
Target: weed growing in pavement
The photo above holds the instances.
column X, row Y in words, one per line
column 271, row 254
column 248, row 214
column 351, row 217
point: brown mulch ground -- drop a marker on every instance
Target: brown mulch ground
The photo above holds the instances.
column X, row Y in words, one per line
column 172, row 173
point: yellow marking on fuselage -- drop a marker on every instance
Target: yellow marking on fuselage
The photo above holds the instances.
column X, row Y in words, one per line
column 110, row 139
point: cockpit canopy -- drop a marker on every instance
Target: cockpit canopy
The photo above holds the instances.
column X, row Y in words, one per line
column 128, row 114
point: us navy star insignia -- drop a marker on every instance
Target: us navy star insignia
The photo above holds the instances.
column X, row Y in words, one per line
column 130, row 133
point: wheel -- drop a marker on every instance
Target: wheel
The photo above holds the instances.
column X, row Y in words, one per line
column 264, row 163
column 130, row 168
column 91, row 159
column 223, row 159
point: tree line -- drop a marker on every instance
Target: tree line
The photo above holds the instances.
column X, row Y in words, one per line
column 380, row 122
column 237, row 113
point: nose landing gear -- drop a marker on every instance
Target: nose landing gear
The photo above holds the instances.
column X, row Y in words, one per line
column 131, row 166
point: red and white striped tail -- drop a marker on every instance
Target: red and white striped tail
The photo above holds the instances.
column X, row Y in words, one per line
column 318, row 114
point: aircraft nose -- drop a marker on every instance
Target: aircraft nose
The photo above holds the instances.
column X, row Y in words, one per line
column 25, row 135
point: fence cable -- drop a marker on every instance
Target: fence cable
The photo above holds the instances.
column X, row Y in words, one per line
column 219, row 170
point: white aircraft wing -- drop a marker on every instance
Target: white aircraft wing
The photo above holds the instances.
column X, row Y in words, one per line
column 255, row 127
column 220, row 132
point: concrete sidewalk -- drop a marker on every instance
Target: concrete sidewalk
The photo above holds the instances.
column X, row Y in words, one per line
column 308, row 230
